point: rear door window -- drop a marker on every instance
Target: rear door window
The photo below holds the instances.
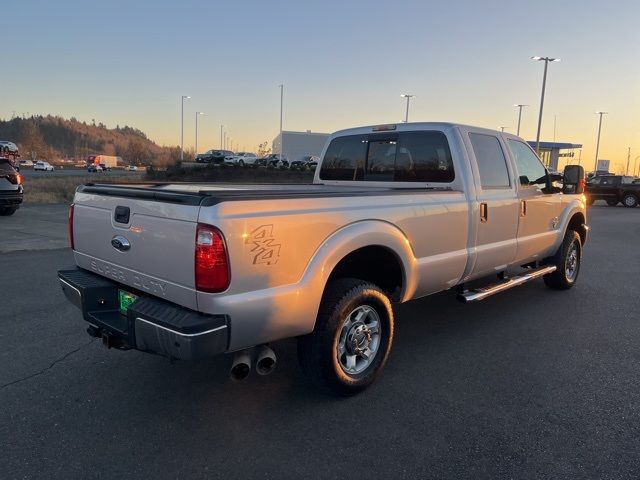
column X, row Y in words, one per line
column 421, row 156
column 492, row 163
column 6, row 167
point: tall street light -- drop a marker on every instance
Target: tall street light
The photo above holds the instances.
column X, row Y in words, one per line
column 281, row 137
column 221, row 144
column 406, row 114
column 197, row 115
column 598, row 141
column 544, row 83
column 520, row 107
column 182, row 127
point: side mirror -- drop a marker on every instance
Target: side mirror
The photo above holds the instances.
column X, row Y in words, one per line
column 573, row 179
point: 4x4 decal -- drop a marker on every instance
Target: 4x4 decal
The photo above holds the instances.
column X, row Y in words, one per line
column 263, row 245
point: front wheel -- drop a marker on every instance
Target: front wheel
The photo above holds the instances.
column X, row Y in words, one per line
column 352, row 339
column 241, row 163
column 630, row 201
column 590, row 200
column 612, row 203
column 567, row 261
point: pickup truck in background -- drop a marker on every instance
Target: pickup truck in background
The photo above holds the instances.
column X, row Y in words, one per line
column 395, row 212
column 613, row 189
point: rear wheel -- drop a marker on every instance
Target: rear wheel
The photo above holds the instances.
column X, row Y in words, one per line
column 567, row 261
column 352, row 339
column 630, row 200
column 241, row 163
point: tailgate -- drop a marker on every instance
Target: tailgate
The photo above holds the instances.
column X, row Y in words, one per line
column 149, row 245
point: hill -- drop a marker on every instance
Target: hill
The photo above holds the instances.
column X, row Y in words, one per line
column 52, row 138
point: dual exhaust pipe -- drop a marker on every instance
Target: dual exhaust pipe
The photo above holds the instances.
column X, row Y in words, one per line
column 262, row 358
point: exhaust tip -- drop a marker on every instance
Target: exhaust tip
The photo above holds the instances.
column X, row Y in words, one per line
column 265, row 360
column 240, row 371
column 265, row 366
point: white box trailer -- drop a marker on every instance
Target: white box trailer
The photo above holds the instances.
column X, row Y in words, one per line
column 109, row 161
column 299, row 144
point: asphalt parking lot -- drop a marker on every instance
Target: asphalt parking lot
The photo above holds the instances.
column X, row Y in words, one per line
column 531, row 383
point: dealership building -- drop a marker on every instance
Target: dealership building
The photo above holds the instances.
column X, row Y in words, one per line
column 295, row 145
column 551, row 152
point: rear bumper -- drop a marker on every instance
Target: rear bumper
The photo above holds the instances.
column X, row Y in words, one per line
column 150, row 325
column 11, row 198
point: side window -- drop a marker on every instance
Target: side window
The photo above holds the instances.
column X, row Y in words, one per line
column 345, row 158
column 530, row 168
column 491, row 161
column 595, row 181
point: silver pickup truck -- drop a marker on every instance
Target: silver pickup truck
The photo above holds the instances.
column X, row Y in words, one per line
column 395, row 212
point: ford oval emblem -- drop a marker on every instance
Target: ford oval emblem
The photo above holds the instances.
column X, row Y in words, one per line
column 120, row 243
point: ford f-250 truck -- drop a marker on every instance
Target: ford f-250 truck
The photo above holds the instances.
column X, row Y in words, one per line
column 395, row 212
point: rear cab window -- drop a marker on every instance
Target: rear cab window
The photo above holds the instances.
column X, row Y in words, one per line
column 414, row 156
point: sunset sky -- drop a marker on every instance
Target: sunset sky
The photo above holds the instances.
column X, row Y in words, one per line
column 343, row 64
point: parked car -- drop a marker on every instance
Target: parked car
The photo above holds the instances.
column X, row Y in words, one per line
column 396, row 212
column 242, row 159
column 132, row 168
column 11, row 189
column 274, row 161
column 213, row 156
column 309, row 162
column 43, row 166
column 613, row 189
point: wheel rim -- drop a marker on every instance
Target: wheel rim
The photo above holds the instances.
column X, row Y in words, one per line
column 629, row 201
column 359, row 340
column 572, row 263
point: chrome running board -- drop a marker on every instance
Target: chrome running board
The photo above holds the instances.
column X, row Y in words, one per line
column 482, row 293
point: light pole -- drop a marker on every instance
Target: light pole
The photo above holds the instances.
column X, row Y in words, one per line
column 502, row 129
column 520, row 107
column 182, row 126
column 544, row 84
column 221, row 144
column 626, row 172
column 406, row 114
column 598, row 140
column 637, row 173
column 281, row 109
column 197, row 115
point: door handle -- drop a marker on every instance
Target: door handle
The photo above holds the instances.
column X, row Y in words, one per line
column 483, row 213
column 523, row 208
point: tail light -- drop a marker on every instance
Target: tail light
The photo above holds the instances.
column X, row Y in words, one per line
column 212, row 264
column 19, row 179
column 71, row 209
